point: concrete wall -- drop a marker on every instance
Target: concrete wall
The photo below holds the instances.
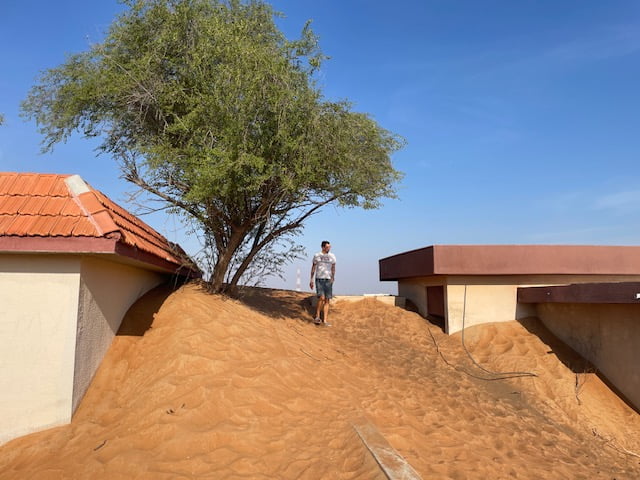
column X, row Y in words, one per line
column 470, row 304
column 477, row 299
column 607, row 335
column 58, row 317
column 415, row 290
column 107, row 290
column 38, row 313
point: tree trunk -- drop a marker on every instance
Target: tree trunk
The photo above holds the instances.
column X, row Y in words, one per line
column 225, row 255
column 216, row 283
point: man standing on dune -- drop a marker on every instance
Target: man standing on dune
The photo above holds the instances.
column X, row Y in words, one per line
column 324, row 267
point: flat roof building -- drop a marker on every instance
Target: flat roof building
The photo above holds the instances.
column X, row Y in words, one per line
column 471, row 284
column 587, row 295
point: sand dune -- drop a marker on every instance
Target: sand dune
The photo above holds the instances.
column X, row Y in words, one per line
column 219, row 388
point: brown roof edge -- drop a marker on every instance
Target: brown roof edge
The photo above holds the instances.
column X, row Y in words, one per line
column 57, row 244
column 90, row 245
column 409, row 252
column 609, row 292
column 512, row 260
column 537, row 259
column 415, row 263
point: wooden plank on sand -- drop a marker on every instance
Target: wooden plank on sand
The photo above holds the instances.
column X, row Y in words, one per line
column 394, row 466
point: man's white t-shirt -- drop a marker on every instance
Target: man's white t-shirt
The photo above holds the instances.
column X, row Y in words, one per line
column 323, row 263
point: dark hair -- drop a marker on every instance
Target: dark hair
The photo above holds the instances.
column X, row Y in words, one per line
column 324, row 242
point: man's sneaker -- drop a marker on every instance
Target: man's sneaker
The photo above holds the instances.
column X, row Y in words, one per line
column 317, row 321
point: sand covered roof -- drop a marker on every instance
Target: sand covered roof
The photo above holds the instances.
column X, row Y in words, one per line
column 62, row 213
column 202, row 386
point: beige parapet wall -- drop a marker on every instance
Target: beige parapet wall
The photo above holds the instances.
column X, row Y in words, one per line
column 393, row 300
column 58, row 317
column 607, row 335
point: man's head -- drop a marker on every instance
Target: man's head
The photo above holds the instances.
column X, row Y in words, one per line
column 326, row 246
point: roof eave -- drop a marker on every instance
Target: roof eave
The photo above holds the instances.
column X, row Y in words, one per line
column 147, row 258
column 93, row 245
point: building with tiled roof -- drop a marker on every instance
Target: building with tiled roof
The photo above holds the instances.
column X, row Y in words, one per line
column 61, row 213
column 72, row 262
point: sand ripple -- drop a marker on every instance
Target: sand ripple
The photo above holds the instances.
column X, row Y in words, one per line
column 220, row 388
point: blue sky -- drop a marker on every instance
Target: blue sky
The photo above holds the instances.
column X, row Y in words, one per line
column 521, row 119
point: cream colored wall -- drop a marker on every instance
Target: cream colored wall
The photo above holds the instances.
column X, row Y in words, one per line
column 414, row 289
column 495, row 298
column 58, row 317
column 606, row 335
column 470, row 304
column 107, row 290
column 490, row 298
column 38, row 312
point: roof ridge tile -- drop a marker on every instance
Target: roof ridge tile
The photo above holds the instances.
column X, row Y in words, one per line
column 89, row 204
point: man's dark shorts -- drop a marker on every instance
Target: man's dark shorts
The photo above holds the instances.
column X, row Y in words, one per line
column 324, row 288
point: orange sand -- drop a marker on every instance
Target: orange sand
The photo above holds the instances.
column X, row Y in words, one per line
column 221, row 388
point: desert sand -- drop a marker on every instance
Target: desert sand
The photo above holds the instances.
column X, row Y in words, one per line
column 203, row 386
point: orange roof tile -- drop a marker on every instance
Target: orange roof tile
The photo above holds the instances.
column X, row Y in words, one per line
column 12, row 205
column 63, row 206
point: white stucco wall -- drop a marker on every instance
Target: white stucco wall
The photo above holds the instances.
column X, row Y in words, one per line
column 58, row 317
column 38, row 313
column 607, row 335
column 107, row 290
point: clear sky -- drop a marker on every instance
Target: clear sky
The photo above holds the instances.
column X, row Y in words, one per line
column 521, row 119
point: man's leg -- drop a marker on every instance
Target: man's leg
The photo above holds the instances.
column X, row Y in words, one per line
column 326, row 311
column 319, row 307
column 328, row 294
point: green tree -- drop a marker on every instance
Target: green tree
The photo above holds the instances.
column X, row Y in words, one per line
column 206, row 104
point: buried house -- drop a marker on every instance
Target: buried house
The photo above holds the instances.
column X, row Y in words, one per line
column 587, row 295
column 71, row 264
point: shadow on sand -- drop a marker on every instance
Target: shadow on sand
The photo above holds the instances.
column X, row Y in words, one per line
column 571, row 359
column 568, row 356
column 277, row 303
column 139, row 317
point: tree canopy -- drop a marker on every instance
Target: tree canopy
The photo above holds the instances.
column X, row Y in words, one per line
column 207, row 105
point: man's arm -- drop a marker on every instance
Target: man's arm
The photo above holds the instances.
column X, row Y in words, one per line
column 313, row 270
column 333, row 272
